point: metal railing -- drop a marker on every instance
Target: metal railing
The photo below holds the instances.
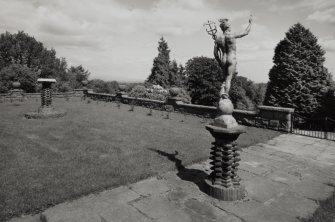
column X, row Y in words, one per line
column 323, row 128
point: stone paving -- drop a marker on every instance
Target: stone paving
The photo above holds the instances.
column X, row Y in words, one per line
column 285, row 178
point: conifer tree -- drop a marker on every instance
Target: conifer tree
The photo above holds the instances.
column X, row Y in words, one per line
column 161, row 66
column 298, row 78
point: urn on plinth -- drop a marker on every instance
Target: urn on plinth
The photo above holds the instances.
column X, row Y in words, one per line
column 46, row 110
column 16, row 84
column 85, row 90
column 16, row 93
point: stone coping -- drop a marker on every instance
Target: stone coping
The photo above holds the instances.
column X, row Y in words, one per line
column 46, row 80
column 81, row 89
column 221, row 130
column 278, row 109
column 197, row 106
column 143, row 99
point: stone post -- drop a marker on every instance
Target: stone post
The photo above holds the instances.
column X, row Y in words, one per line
column 85, row 90
column 16, row 93
column 282, row 116
column 120, row 93
column 173, row 97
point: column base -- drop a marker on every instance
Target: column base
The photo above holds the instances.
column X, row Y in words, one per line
column 224, row 193
column 45, row 113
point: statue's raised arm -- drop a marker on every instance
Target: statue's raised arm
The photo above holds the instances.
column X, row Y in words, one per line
column 247, row 30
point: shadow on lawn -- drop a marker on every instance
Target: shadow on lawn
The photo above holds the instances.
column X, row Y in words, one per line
column 192, row 175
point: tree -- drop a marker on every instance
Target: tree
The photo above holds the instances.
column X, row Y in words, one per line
column 204, row 80
column 242, row 93
column 76, row 74
column 328, row 102
column 260, row 89
column 98, row 86
column 16, row 72
column 161, row 65
column 245, row 94
column 298, row 78
column 20, row 48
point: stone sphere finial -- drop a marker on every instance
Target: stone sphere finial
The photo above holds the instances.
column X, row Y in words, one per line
column 16, row 84
column 84, row 82
column 174, row 91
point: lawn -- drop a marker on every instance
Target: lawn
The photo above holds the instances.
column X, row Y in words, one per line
column 94, row 147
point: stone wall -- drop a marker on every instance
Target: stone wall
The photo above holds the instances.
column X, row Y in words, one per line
column 277, row 118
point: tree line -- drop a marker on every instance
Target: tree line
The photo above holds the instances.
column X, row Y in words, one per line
column 24, row 59
column 298, row 78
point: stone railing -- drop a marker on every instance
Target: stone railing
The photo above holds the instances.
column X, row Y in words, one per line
column 277, row 118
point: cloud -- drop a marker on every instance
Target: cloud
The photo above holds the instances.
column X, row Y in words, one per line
column 301, row 5
column 117, row 39
column 170, row 31
column 328, row 43
column 327, row 15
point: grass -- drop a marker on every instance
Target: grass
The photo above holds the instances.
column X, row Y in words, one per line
column 92, row 148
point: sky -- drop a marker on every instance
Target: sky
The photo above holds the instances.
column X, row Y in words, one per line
column 118, row 39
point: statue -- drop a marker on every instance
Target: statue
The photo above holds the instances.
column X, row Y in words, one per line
column 225, row 55
column 223, row 182
column 225, row 52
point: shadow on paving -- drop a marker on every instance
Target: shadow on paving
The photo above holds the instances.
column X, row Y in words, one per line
column 192, row 175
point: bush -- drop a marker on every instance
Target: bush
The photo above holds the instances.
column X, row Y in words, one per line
column 154, row 93
column 180, row 94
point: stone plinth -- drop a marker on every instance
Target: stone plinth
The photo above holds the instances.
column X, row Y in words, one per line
column 46, row 110
column 223, row 183
column 16, row 93
column 281, row 115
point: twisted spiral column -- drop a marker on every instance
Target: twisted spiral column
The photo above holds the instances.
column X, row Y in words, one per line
column 46, row 95
column 221, row 161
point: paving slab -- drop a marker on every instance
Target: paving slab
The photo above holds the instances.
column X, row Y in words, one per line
column 295, row 205
column 285, row 178
column 269, row 213
column 151, row 186
column 312, row 189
